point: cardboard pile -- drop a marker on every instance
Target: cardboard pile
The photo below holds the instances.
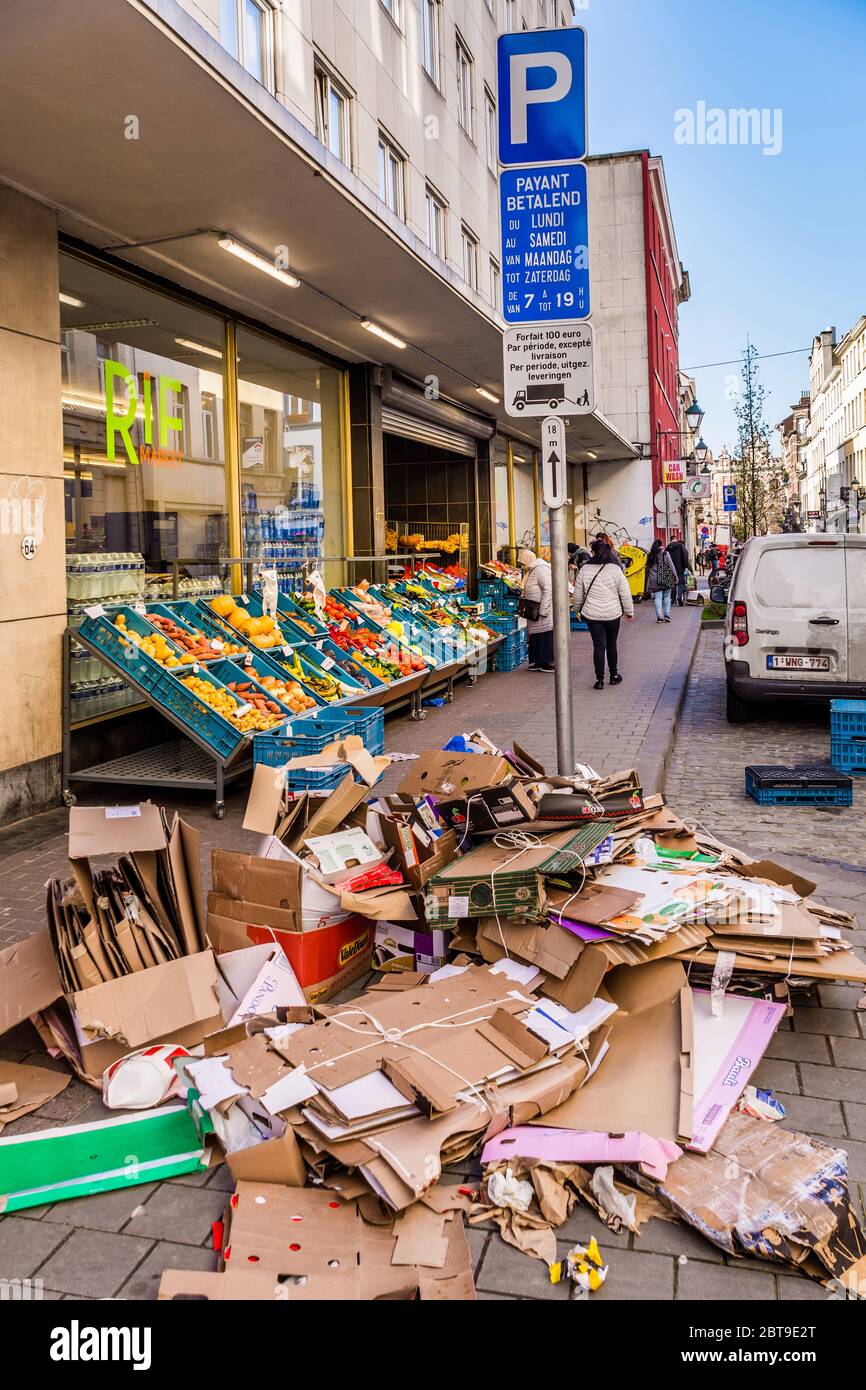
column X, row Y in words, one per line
column 570, row 981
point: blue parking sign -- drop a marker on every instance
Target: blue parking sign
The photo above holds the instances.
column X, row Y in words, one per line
column 730, row 496
column 545, row 244
column 542, row 96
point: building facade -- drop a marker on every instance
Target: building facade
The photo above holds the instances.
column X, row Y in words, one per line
column 835, row 475
column 638, row 285
column 283, row 345
column 793, row 435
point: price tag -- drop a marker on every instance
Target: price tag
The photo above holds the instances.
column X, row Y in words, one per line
column 369, row 651
column 96, row 611
column 217, row 645
column 458, row 907
column 244, row 598
column 122, row 812
column 196, row 668
column 247, row 709
column 344, row 625
column 328, row 663
column 248, row 659
column 287, row 651
column 140, row 609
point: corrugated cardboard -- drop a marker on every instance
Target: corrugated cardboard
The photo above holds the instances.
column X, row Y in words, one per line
column 29, row 979
column 645, row 1080
column 24, row 1089
column 439, row 773
column 151, row 1003
column 113, row 830
column 325, row 960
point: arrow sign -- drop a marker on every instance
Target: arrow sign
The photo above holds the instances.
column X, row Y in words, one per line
column 554, row 471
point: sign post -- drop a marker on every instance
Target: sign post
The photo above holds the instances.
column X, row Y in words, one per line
column 548, row 349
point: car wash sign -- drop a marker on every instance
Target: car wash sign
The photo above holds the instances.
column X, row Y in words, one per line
column 543, row 211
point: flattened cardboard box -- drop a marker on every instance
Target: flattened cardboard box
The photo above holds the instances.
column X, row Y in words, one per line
column 437, row 773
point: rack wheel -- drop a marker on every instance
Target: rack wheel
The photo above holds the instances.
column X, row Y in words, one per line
column 418, row 714
column 220, row 810
column 70, row 799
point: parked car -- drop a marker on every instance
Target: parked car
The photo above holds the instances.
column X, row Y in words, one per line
column 796, row 622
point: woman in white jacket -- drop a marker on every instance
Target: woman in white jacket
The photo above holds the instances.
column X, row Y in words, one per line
column 538, row 588
column 602, row 595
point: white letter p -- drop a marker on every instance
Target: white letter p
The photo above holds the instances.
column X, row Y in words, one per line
column 522, row 98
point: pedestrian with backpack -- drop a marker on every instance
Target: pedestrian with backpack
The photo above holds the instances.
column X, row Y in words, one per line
column 602, row 598
column 662, row 579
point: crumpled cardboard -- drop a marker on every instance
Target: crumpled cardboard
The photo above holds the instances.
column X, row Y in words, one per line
column 772, row 1194
column 24, row 1089
column 307, row 1242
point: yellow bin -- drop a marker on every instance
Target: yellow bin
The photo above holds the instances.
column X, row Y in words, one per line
column 636, row 572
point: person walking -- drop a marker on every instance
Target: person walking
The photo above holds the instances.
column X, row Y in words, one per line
column 602, row 596
column 661, row 580
column 537, row 599
column 682, row 564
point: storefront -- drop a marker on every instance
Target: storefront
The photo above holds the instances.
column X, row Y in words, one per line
column 189, row 440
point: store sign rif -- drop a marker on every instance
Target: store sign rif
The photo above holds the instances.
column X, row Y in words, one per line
column 121, row 416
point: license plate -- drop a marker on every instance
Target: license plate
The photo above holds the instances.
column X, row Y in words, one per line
column 798, row 663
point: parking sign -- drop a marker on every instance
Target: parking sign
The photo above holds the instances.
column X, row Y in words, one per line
column 542, row 96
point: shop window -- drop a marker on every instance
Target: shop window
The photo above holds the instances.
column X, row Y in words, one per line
column 246, row 33
column 144, row 464
column 333, row 108
column 289, row 421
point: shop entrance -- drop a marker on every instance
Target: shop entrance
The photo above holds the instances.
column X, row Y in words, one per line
column 432, row 503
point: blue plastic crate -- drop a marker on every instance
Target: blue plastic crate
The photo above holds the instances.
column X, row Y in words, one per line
column 217, row 732
column 274, row 750
column 792, row 786
column 506, row 626
column 512, row 653
column 313, row 732
column 848, row 735
column 576, row 624
column 136, row 665
column 849, row 755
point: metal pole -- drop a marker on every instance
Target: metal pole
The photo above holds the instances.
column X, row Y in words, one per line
column 512, row 525
column 536, row 499
column 562, row 642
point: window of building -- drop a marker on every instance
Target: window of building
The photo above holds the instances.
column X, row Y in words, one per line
column 491, row 7
column 437, row 215
column 431, row 39
column 490, row 129
column 392, row 176
column 470, row 258
column 393, row 9
column 495, row 285
column 333, row 108
column 465, row 67
column 511, row 15
column 246, row 33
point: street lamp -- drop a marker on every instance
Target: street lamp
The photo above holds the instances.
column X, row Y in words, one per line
column 695, row 417
column 702, row 452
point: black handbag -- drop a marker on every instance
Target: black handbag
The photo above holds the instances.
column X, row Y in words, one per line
column 529, row 608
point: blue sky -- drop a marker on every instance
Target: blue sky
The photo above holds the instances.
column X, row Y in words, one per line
column 776, row 246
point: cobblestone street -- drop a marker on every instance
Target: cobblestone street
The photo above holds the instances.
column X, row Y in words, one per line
column 117, row 1245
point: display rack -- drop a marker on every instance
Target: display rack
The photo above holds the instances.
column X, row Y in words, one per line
column 185, row 764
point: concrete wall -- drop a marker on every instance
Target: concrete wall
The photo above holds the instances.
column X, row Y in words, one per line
column 32, row 592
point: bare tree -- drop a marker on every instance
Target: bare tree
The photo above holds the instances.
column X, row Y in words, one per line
column 759, row 476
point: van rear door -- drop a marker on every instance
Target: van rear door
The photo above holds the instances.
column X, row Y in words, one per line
column 798, row 632
column 855, row 555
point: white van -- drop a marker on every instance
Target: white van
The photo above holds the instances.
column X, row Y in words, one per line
column 796, row 623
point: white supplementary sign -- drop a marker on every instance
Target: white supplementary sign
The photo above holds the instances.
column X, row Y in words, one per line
column 549, row 371
column 28, row 547
column 553, row 464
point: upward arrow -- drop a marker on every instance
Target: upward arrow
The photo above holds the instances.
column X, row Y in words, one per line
column 554, row 458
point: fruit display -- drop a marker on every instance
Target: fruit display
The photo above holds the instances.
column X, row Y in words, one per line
column 416, row 540
column 193, row 640
column 251, row 721
column 262, row 632
column 337, row 612
column 321, row 684
column 288, row 692
column 156, row 647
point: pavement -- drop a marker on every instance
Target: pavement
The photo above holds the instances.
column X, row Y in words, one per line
column 117, row 1245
